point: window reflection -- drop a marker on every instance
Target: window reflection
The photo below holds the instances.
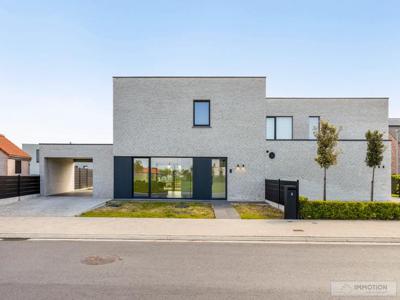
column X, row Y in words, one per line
column 171, row 177
column 218, row 178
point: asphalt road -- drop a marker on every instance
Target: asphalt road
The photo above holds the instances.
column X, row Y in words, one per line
column 155, row 270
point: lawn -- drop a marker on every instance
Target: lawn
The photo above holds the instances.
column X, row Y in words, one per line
column 395, row 195
column 150, row 209
column 257, row 211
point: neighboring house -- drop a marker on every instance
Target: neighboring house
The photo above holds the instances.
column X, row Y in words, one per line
column 13, row 161
column 33, row 151
column 220, row 138
column 394, row 133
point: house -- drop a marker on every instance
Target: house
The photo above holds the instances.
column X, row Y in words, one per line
column 13, row 161
column 33, row 151
column 394, row 134
column 220, row 138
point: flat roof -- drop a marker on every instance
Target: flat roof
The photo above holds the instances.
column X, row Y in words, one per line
column 327, row 98
column 71, row 144
column 189, row 76
column 394, row 121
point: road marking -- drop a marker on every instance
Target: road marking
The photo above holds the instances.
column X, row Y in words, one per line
column 218, row 241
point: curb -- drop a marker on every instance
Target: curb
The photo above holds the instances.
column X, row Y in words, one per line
column 199, row 238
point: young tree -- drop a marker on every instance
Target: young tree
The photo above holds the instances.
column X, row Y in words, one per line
column 327, row 139
column 375, row 151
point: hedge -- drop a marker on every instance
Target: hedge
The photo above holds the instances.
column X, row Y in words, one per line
column 348, row 210
column 396, row 184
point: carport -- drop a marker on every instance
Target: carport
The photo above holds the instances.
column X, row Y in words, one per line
column 57, row 169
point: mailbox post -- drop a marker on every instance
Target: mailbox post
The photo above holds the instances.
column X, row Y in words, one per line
column 291, row 203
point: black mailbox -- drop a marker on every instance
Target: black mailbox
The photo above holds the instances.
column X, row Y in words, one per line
column 290, row 200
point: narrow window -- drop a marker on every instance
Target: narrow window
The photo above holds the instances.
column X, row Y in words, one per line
column 37, row 155
column 17, row 167
column 270, row 128
column 279, row 128
column 313, row 127
column 201, row 113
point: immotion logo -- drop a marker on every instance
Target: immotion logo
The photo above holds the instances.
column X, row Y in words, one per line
column 364, row 288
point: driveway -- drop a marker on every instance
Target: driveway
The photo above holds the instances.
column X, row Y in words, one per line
column 51, row 206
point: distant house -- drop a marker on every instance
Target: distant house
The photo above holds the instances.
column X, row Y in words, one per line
column 33, row 152
column 13, row 161
column 394, row 135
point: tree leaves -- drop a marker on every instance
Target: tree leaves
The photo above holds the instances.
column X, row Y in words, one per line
column 375, row 148
column 327, row 139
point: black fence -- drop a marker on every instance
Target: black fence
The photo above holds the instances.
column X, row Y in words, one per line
column 15, row 186
column 83, row 178
column 275, row 189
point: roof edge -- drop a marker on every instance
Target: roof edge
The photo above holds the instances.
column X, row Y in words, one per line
column 76, row 144
column 189, row 77
column 326, row 97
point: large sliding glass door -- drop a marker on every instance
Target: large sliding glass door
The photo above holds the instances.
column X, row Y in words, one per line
column 171, row 177
column 179, row 178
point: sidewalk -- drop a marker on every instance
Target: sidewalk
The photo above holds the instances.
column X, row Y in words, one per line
column 199, row 230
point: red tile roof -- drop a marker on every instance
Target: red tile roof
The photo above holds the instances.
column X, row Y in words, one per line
column 11, row 149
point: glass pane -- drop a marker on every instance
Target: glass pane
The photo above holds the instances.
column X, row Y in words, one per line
column 171, row 177
column 218, row 178
column 313, row 127
column 201, row 113
column 270, row 128
column 284, row 128
column 141, row 177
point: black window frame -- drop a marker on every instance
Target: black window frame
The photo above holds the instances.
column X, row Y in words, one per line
column 18, row 166
column 161, row 156
column 319, row 125
column 275, row 117
column 37, row 155
column 194, row 113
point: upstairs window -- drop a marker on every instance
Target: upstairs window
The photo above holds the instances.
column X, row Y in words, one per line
column 17, row 167
column 279, row 128
column 201, row 113
column 313, row 127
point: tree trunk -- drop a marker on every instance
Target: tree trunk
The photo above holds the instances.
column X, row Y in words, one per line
column 372, row 184
column 324, row 184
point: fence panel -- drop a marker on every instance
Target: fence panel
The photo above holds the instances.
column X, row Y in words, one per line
column 83, row 178
column 275, row 189
column 15, row 186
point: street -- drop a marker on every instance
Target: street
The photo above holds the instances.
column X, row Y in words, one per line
column 184, row 270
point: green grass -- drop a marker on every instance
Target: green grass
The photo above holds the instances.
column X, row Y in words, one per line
column 395, row 195
column 257, row 211
column 150, row 209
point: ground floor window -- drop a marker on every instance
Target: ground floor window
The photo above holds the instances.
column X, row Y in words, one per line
column 218, row 178
column 171, row 177
column 141, row 177
column 179, row 177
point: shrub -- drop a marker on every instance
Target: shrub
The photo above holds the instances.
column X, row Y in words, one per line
column 396, row 184
column 348, row 210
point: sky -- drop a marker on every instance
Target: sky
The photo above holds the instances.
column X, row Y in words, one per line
column 57, row 58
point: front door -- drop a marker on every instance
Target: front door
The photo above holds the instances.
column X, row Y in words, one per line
column 202, row 179
column 209, row 178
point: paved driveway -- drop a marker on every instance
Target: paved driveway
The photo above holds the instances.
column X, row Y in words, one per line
column 51, row 206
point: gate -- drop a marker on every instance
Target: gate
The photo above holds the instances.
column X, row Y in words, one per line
column 284, row 192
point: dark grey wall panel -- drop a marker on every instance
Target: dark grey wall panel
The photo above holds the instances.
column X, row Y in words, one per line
column 122, row 177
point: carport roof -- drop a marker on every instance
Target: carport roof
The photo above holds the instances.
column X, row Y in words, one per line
column 11, row 150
